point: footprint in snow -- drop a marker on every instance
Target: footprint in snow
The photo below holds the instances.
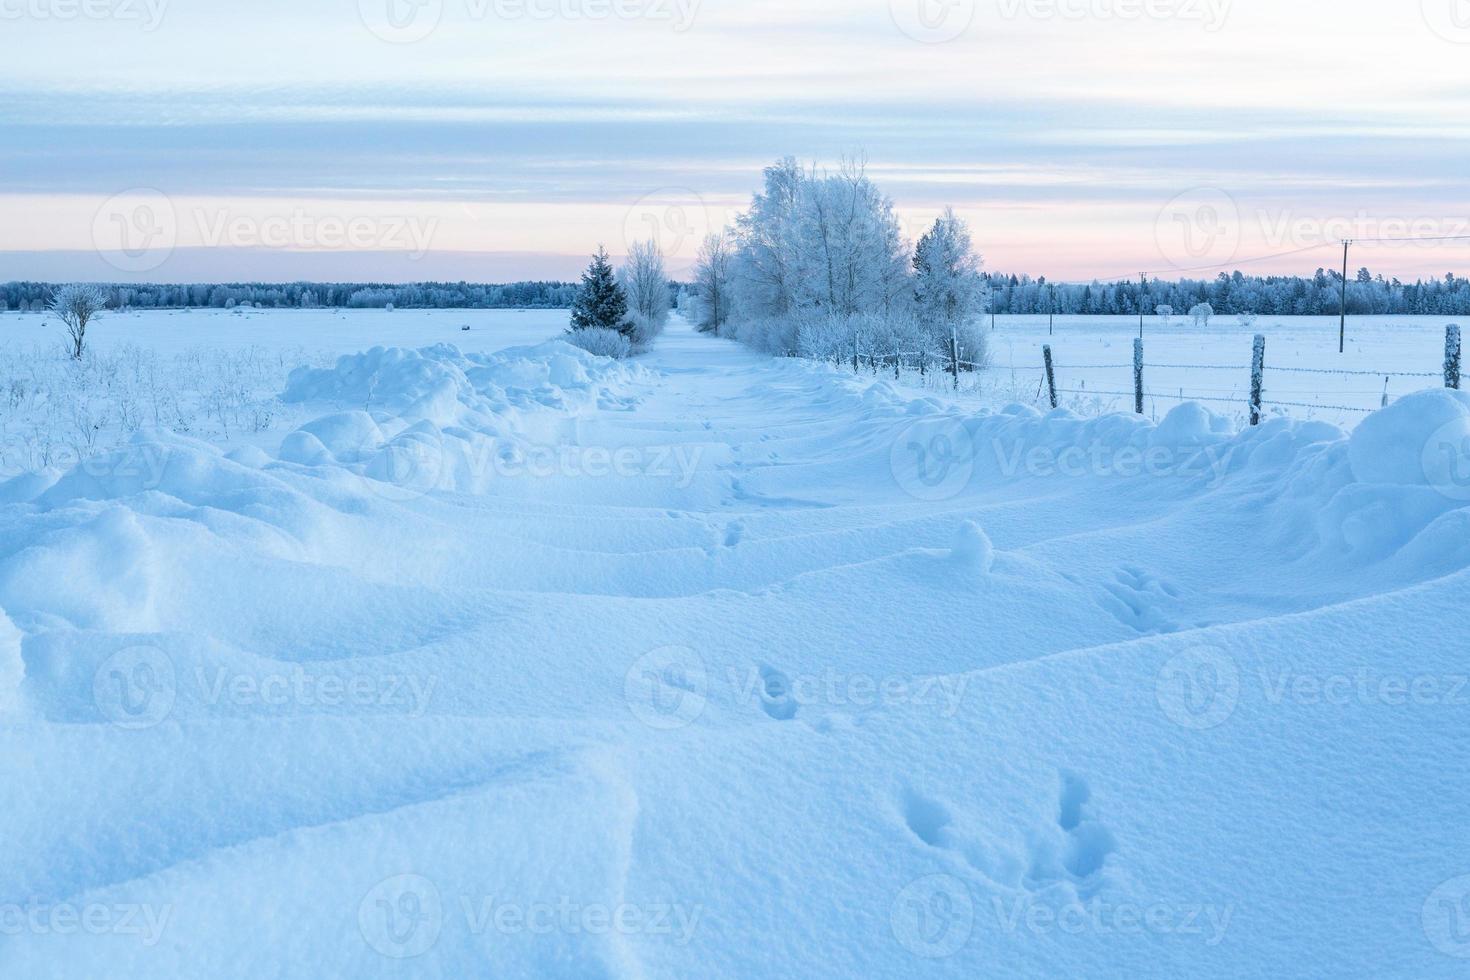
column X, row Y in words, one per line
column 777, row 698
column 1140, row 600
column 1068, row 847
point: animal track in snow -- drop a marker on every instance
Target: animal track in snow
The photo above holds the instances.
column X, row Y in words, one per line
column 1139, row 600
column 1082, row 849
column 734, row 532
column 1068, row 846
column 777, row 698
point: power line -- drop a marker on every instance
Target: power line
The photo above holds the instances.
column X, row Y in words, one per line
column 1232, row 264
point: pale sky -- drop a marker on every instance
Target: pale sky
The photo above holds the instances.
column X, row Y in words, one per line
column 191, row 140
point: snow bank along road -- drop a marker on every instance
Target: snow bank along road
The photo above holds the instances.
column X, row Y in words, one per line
column 533, row 664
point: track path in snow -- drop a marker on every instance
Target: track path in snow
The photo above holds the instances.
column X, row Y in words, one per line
column 754, row 670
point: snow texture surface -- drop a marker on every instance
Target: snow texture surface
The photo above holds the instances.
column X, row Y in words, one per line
column 524, row 662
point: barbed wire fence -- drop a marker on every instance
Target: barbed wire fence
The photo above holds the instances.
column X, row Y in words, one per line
column 951, row 369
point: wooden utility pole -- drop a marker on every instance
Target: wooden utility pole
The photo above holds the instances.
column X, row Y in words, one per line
column 1342, row 306
column 1051, row 374
column 1143, row 290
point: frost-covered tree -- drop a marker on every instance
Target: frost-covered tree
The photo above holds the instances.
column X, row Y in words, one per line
column 851, row 254
column 647, row 288
column 1201, row 314
column 1165, row 312
column 950, row 294
column 820, row 263
column 76, row 306
column 767, row 265
column 712, row 287
column 600, row 301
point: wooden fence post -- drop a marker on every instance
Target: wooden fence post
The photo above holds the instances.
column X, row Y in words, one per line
column 897, row 361
column 1138, row 375
column 954, row 358
column 854, row 355
column 1258, row 375
column 1452, row 356
column 1051, row 375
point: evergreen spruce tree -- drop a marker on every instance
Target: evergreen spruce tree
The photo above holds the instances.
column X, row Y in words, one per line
column 600, row 300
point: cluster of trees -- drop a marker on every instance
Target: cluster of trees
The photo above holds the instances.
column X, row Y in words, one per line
column 36, row 296
column 818, row 267
column 1320, row 295
column 616, row 314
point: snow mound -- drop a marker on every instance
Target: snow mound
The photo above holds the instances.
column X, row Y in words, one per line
column 1404, row 444
column 12, row 667
column 436, row 418
column 973, row 549
column 1191, row 424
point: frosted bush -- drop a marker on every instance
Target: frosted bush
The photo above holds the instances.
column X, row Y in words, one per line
column 601, row 341
column 56, row 410
column 644, row 330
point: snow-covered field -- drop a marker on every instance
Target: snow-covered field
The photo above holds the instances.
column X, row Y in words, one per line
column 216, row 375
column 210, row 374
column 519, row 662
column 1305, row 376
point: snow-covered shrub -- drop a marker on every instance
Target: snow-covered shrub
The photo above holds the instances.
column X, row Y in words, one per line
column 713, row 290
column 647, row 288
column 601, row 341
column 76, row 306
column 1201, row 314
column 56, row 410
column 642, row 331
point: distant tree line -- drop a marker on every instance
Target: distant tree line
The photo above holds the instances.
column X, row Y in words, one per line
column 1236, row 293
column 37, row 296
column 1319, row 295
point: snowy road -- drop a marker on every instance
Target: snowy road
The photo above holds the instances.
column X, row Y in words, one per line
column 735, row 667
